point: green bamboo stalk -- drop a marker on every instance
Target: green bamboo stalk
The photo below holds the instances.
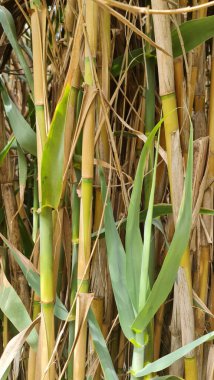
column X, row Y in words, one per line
column 38, row 22
column 75, row 202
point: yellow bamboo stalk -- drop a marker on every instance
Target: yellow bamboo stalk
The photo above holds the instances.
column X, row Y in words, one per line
column 207, row 202
column 87, row 183
column 171, row 124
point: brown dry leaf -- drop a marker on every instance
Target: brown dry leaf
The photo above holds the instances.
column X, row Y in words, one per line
column 200, row 175
column 14, row 346
column 201, row 304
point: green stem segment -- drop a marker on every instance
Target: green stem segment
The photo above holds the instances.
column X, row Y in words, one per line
column 46, row 275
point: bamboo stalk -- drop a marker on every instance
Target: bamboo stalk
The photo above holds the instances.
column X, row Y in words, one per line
column 207, row 202
column 168, row 97
column 87, row 184
column 47, row 335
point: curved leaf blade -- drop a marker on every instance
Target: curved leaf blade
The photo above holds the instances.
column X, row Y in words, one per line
column 33, row 278
column 53, row 155
column 5, row 150
column 101, row 348
column 117, row 266
column 13, row 347
column 168, row 273
column 9, row 28
column 145, row 285
column 24, row 134
column 194, row 33
column 169, row 359
column 12, row 306
column 134, row 245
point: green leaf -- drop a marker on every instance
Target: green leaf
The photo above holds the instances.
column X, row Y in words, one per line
column 101, row 348
column 9, row 28
column 24, row 134
column 194, row 33
column 134, row 245
column 159, row 209
column 168, row 273
column 117, row 266
column 169, row 359
column 12, row 306
column 22, row 163
column 145, row 285
column 33, row 277
column 53, row 155
column 5, row 150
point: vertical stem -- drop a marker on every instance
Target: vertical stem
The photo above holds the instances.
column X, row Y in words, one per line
column 38, row 26
column 87, row 185
column 47, row 286
column 168, row 97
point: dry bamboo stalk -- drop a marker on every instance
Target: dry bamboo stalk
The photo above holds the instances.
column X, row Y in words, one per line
column 167, row 93
column 210, row 364
column 206, row 244
column 70, row 15
column 100, row 279
column 187, row 323
column 179, row 89
column 191, row 86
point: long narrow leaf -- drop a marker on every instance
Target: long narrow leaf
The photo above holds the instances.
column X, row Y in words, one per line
column 33, row 278
column 24, row 134
column 193, row 33
column 9, row 28
column 168, row 273
column 144, row 275
column 12, row 306
column 171, row 358
column 134, row 245
column 53, row 155
column 22, row 162
column 101, row 348
column 5, row 150
column 117, row 266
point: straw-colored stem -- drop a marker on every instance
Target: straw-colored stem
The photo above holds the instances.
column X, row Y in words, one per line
column 87, row 184
column 169, row 105
column 38, row 23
